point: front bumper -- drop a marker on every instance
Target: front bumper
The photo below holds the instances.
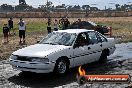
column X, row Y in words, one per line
column 36, row 67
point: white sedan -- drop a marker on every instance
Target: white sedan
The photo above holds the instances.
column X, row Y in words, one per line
column 61, row 50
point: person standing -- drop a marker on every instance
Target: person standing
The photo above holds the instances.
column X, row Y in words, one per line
column 22, row 29
column 66, row 23
column 61, row 24
column 49, row 26
column 5, row 33
column 56, row 25
column 79, row 24
column 10, row 25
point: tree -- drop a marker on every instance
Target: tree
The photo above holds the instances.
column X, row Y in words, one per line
column 117, row 7
column 76, row 8
column 86, row 8
column 23, row 8
column 22, row 2
column 6, row 7
column 69, row 8
column 49, row 6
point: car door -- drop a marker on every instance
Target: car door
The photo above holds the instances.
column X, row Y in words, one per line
column 102, row 41
column 94, row 47
column 80, row 49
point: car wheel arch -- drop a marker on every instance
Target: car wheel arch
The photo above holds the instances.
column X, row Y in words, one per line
column 104, row 54
column 64, row 58
column 106, row 51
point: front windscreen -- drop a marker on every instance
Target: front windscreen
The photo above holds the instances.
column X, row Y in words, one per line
column 57, row 38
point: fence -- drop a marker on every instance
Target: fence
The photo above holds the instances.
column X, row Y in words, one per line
column 63, row 14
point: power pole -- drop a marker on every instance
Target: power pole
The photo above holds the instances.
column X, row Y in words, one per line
column 47, row 5
column 48, row 11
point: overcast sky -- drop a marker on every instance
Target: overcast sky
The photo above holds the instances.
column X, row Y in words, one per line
column 98, row 3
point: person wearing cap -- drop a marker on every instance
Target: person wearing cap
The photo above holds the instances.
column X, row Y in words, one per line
column 22, row 30
column 5, row 33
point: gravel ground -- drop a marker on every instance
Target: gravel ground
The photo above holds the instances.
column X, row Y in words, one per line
column 118, row 63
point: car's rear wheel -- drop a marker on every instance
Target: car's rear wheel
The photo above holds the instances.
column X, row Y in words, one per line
column 61, row 67
column 26, row 73
column 103, row 57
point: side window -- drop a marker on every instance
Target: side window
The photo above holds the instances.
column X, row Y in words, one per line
column 81, row 39
column 101, row 38
column 93, row 38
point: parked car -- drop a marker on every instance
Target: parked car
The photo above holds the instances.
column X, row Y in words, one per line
column 63, row 49
column 89, row 25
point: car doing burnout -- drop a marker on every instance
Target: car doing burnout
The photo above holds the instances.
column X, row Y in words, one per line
column 63, row 49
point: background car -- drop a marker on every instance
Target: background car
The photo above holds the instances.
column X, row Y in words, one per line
column 89, row 25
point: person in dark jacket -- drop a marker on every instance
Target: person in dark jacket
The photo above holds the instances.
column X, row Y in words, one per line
column 10, row 25
column 49, row 26
column 5, row 33
column 66, row 23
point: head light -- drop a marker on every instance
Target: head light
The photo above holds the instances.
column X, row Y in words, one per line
column 13, row 57
column 42, row 60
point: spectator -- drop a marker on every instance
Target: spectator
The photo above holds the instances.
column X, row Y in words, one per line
column 10, row 25
column 5, row 33
column 66, row 23
column 22, row 29
column 49, row 26
column 79, row 24
column 61, row 24
column 56, row 25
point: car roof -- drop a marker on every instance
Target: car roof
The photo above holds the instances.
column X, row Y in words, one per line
column 94, row 24
column 77, row 31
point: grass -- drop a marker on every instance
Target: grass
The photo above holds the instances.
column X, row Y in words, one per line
column 32, row 25
column 122, row 26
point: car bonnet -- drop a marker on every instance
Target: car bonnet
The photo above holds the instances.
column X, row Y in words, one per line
column 39, row 50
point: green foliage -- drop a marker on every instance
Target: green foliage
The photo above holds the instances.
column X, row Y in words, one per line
column 31, row 27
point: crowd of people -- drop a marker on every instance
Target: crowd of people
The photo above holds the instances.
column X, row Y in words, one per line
column 61, row 24
column 56, row 24
column 8, row 27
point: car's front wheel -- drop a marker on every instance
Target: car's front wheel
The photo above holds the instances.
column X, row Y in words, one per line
column 61, row 67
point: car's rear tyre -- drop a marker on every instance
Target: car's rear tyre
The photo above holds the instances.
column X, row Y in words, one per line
column 61, row 67
column 26, row 73
column 103, row 57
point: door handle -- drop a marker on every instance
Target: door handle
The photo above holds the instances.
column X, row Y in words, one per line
column 101, row 45
column 89, row 48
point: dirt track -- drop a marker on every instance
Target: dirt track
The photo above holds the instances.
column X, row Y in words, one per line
column 118, row 63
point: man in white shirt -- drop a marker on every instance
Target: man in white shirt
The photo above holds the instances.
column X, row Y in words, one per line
column 56, row 25
column 22, row 29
